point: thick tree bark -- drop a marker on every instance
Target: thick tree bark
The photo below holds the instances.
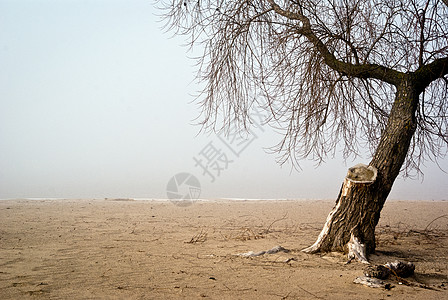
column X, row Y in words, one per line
column 357, row 211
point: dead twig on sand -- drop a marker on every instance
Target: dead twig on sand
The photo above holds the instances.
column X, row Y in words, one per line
column 247, row 234
column 400, row 230
column 430, row 223
column 201, row 237
column 267, row 230
column 315, row 296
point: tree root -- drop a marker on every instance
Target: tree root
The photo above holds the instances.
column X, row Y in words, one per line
column 356, row 250
column 323, row 234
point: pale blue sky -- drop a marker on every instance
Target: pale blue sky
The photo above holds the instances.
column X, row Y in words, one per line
column 95, row 101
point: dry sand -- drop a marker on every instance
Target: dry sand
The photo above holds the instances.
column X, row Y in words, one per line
column 109, row 249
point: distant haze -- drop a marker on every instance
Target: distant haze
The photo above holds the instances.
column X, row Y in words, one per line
column 96, row 101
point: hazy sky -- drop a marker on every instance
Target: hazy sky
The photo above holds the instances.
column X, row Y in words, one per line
column 95, row 101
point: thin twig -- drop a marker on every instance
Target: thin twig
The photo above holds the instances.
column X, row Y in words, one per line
column 275, row 221
column 443, row 216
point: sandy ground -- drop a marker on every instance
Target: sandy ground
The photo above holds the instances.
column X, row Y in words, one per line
column 117, row 249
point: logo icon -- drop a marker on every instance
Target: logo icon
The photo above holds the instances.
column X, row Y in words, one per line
column 183, row 188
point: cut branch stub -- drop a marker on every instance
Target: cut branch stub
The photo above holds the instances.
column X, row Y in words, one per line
column 362, row 173
column 359, row 174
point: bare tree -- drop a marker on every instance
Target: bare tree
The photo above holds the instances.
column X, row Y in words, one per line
column 333, row 74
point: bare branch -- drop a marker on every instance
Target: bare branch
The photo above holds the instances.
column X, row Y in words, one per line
column 430, row 72
column 354, row 70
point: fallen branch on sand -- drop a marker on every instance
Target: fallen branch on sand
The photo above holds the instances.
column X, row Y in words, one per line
column 373, row 274
column 270, row 251
column 371, row 282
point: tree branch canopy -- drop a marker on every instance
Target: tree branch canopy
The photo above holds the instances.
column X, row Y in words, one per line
column 354, row 70
column 325, row 72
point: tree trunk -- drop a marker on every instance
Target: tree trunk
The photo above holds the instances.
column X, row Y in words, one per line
column 350, row 226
